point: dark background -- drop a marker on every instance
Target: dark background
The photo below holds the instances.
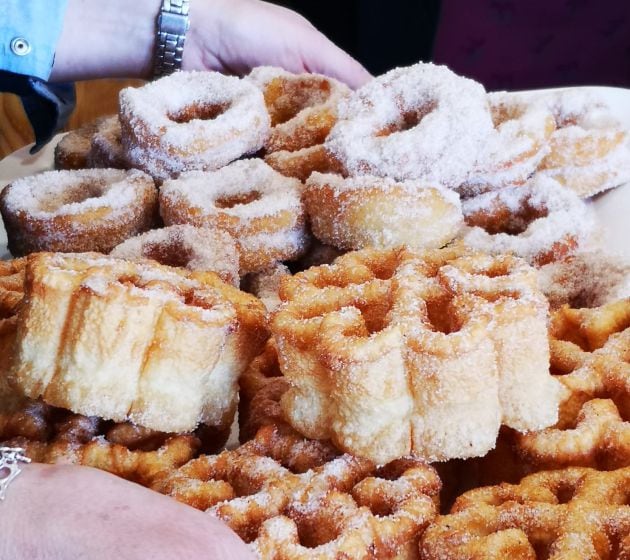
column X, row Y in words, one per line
column 532, row 43
column 380, row 34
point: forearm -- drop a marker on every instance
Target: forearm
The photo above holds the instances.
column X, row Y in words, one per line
column 106, row 39
column 117, row 39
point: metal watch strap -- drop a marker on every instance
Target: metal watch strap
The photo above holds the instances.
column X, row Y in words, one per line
column 10, row 459
column 172, row 24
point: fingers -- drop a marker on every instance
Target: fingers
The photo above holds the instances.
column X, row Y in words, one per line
column 322, row 56
column 234, row 36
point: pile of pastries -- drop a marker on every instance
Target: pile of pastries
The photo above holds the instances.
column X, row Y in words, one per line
column 394, row 299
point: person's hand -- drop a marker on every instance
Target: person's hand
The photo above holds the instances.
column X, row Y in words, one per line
column 67, row 513
column 117, row 38
column 234, row 36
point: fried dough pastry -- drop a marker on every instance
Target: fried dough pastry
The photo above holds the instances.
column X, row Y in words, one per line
column 260, row 388
column 106, row 145
column 78, row 210
column 586, row 279
column 11, row 286
column 303, row 109
column 562, row 514
column 366, row 211
column 540, row 221
column 576, row 331
column 421, row 122
column 53, row 435
column 159, row 346
column 391, row 352
column 508, row 289
column 260, row 208
column 589, row 151
column 520, row 142
column 191, row 121
column 185, row 246
column 294, row 498
column 73, row 150
column 266, row 284
column 591, row 358
column 301, row 163
column 11, row 295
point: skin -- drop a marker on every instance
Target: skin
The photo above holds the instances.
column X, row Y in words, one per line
column 230, row 36
column 65, row 512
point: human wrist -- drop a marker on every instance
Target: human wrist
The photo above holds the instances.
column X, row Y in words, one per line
column 207, row 20
column 121, row 40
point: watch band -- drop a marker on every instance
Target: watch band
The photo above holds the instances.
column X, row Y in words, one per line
column 172, row 25
column 10, row 459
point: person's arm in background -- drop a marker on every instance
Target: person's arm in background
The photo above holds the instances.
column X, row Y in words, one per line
column 117, row 38
column 70, row 513
column 29, row 32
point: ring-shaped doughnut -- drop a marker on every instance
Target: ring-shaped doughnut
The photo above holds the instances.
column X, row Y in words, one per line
column 541, row 221
column 188, row 247
column 366, row 211
column 258, row 206
column 78, row 210
column 106, row 145
column 590, row 150
column 302, row 107
column 421, row 122
column 191, row 120
column 523, row 129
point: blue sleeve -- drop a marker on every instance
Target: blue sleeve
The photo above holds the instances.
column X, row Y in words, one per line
column 29, row 31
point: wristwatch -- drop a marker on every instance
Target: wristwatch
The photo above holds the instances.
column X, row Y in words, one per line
column 10, row 459
column 172, row 25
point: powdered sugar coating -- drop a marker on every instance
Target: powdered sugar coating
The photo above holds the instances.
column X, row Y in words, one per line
column 77, row 210
column 590, row 150
column 368, row 211
column 106, row 145
column 55, row 193
column 302, row 107
column 191, row 120
column 201, row 190
column 186, row 246
column 540, row 221
column 520, row 143
column 587, row 279
column 441, row 122
column 259, row 207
